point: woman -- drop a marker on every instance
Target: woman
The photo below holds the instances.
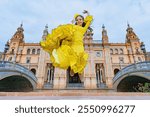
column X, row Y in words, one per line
column 65, row 44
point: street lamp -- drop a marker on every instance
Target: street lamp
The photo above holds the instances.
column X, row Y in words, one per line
column 144, row 50
column 6, row 49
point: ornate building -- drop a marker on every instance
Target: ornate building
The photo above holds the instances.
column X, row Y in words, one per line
column 105, row 60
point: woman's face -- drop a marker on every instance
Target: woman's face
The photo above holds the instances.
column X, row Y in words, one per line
column 79, row 20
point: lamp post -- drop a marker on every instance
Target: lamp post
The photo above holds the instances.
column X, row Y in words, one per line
column 5, row 50
column 144, row 50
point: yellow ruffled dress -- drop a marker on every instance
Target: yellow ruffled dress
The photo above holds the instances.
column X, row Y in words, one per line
column 65, row 46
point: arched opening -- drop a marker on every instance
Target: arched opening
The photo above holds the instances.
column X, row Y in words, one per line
column 121, row 51
column 38, row 51
column 116, row 71
column 132, row 84
column 73, row 80
column 116, row 51
column 100, row 75
column 15, row 84
column 33, row 71
column 33, row 51
column 111, row 51
column 28, row 51
column 49, row 79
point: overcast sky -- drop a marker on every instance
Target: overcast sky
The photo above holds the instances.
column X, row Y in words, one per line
column 114, row 14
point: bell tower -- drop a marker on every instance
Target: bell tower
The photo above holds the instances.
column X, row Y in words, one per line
column 131, row 36
column 16, row 40
column 18, row 36
column 45, row 32
column 134, row 43
column 104, row 35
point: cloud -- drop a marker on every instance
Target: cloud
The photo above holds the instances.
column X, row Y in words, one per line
column 36, row 14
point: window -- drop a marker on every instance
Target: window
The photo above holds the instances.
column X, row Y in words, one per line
column 38, row 51
column 99, row 69
column 116, row 51
column 139, row 59
column 28, row 59
column 116, row 71
column 10, row 59
column 33, row 51
column 121, row 51
column 28, row 51
column 50, row 74
column 33, row 71
column 137, row 51
column 121, row 60
column 12, row 51
column 111, row 51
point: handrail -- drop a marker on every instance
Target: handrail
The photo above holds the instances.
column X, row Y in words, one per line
column 6, row 65
column 141, row 66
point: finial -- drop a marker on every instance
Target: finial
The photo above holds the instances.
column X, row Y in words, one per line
column 128, row 24
column 46, row 27
column 21, row 24
column 103, row 26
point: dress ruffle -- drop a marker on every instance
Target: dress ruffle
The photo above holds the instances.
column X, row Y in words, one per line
column 65, row 46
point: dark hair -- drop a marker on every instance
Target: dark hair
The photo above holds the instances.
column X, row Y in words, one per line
column 82, row 18
column 83, row 24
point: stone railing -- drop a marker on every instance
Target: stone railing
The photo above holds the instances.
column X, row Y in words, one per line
column 137, row 67
column 9, row 66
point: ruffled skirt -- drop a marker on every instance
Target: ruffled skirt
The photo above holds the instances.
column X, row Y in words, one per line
column 65, row 46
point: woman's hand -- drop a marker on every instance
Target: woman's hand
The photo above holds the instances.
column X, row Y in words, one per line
column 86, row 12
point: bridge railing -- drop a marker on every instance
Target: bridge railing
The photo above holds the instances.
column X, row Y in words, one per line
column 141, row 66
column 6, row 65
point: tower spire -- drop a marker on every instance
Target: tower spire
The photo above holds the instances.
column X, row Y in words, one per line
column 45, row 32
column 18, row 36
column 130, row 34
column 104, row 35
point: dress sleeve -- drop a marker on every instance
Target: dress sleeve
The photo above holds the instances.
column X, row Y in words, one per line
column 88, row 21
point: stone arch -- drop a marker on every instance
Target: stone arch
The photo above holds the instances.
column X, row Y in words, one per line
column 131, row 83
column 9, row 70
column 15, row 83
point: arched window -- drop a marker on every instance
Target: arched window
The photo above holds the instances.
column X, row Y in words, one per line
column 28, row 59
column 121, row 51
column 13, row 51
column 139, row 59
column 28, row 51
column 33, row 70
column 137, row 51
column 116, row 51
column 121, row 60
column 111, row 51
column 50, row 74
column 99, row 69
column 38, row 51
column 116, row 71
column 33, row 51
column 10, row 59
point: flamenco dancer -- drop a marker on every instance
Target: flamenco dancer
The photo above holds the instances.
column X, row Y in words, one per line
column 65, row 44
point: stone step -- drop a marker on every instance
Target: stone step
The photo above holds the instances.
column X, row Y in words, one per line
column 72, row 93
